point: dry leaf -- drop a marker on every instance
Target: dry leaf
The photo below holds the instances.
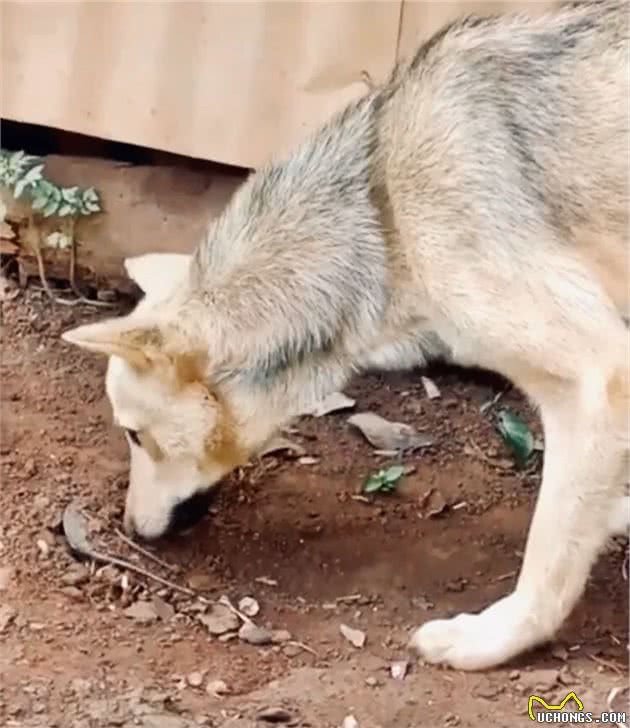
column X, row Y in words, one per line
column 279, row 444
column 356, row 637
column 75, row 530
column 334, row 402
column 385, row 435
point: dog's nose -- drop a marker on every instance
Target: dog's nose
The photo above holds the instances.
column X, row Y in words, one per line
column 190, row 511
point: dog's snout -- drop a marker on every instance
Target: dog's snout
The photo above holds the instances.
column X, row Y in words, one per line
column 190, row 511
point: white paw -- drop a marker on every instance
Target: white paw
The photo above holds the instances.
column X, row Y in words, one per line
column 477, row 641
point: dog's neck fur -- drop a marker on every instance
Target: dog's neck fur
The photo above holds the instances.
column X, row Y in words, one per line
column 275, row 323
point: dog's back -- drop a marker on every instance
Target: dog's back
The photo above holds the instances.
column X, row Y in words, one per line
column 506, row 132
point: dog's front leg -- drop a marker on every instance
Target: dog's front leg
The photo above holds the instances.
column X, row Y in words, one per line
column 585, row 432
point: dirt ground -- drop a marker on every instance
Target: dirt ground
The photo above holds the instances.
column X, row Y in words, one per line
column 289, row 533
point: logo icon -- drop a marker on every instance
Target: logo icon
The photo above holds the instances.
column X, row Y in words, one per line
column 545, row 705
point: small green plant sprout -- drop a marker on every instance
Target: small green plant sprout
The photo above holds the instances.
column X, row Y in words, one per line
column 384, row 481
column 516, row 435
column 23, row 175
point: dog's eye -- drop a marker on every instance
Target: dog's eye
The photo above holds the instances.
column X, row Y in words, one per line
column 133, row 436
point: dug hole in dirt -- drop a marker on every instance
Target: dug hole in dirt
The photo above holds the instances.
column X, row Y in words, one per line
column 85, row 645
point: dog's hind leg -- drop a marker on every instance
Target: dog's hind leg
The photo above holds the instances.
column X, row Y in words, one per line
column 583, row 398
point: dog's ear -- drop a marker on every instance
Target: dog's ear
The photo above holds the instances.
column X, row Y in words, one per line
column 157, row 274
column 139, row 344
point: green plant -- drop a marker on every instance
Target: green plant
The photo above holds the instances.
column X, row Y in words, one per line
column 22, row 174
column 384, row 481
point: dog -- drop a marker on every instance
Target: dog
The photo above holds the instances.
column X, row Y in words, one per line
column 472, row 207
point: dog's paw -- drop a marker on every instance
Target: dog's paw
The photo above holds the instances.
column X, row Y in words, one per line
column 475, row 641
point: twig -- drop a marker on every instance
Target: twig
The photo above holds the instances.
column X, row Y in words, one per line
column 227, row 603
column 302, row 646
column 132, row 544
column 504, row 577
column 605, row 663
column 124, row 564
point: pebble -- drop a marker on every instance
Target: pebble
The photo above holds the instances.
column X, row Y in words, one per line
column 291, row 650
column 398, row 669
column 254, row 635
column 141, row 611
column 371, row 681
column 219, row 620
column 216, row 688
column 249, row 606
column 278, row 636
column 350, row 722
column 543, row 679
column 75, row 575
column 44, row 548
column 195, row 679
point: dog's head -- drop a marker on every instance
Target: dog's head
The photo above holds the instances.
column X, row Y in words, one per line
column 180, row 434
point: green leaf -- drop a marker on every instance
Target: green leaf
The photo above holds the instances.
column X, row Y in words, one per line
column 39, row 202
column 20, row 186
column 516, row 434
column 66, row 210
column 393, row 473
column 71, row 195
column 384, row 481
column 34, row 174
column 51, row 208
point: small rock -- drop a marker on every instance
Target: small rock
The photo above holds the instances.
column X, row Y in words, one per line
column 219, row 620
column 291, row 650
column 371, row 681
column 44, row 548
column 350, row 722
column 6, row 574
column 75, row 575
column 274, row 715
column 487, row 690
column 194, row 679
column 199, row 582
column 72, row 592
column 398, row 669
column 544, row 679
column 308, row 460
column 141, row 611
column 254, row 635
column 7, row 615
column 560, row 653
column 249, row 606
column 355, row 636
column 278, row 636
column 514, row 675
column 227, row 637
column 217, row 688
column 164, row 610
